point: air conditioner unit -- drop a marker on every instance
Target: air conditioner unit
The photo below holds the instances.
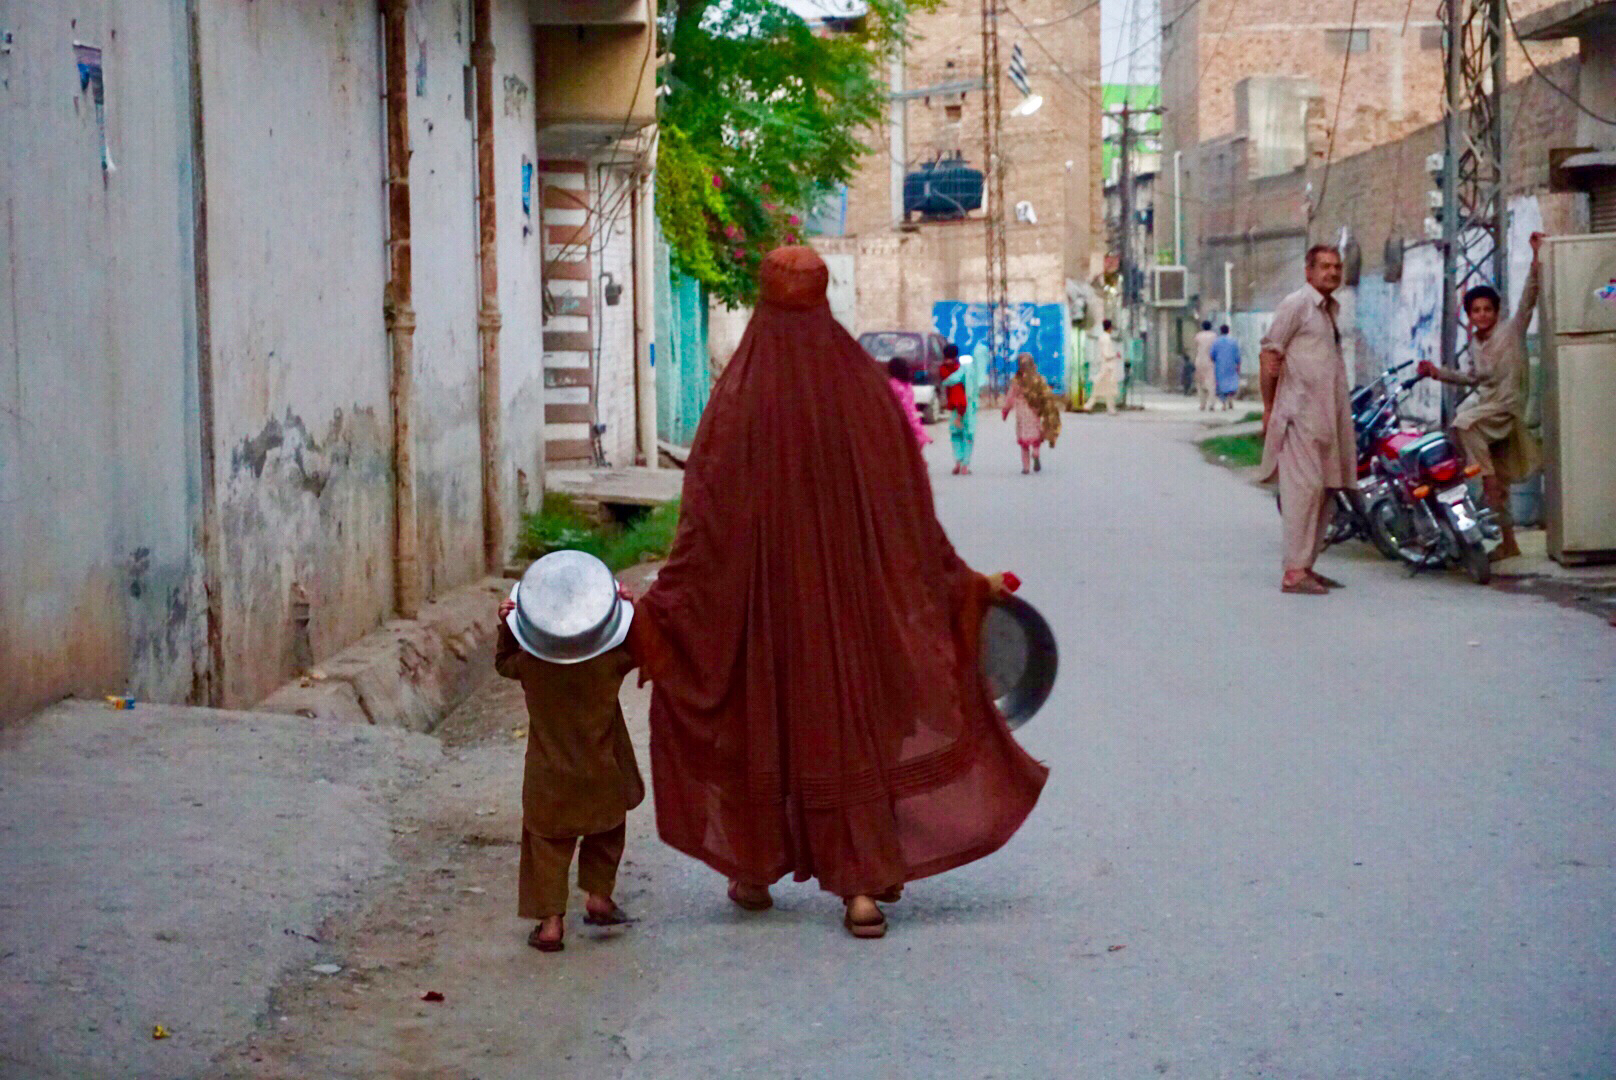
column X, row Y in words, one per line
column 1169, row 286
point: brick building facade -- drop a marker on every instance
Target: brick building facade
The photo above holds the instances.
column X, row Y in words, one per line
column 900, row 269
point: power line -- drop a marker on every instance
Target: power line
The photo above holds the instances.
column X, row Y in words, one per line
column 1556, row 87
column 1067, row 75
column 1335, row 124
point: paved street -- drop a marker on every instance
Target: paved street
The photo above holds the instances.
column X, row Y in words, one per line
column 1365, row 835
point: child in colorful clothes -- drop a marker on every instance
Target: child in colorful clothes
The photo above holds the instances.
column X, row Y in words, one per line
column 901, row 381
column 1038, row 418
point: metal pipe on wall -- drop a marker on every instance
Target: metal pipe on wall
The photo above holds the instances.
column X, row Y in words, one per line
column 207, row 685
column 397, row 309
column 1178, row 208
column 488, row 317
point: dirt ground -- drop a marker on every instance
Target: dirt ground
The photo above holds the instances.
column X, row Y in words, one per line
column 446, row 922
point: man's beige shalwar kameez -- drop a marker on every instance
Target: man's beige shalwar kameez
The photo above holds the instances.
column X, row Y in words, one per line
column 1206, row 378
column 1309, row 443
column 1491, row 424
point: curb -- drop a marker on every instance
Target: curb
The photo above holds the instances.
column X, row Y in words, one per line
column 407, row 674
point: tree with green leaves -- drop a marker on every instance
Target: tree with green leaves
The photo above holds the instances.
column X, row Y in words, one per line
column 761, row 117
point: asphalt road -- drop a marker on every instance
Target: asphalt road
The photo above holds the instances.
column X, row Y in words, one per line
column 1365, row 835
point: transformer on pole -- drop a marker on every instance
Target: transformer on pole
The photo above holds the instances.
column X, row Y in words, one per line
column 1474, row 221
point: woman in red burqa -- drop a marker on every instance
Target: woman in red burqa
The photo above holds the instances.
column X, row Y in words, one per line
column 818, row 709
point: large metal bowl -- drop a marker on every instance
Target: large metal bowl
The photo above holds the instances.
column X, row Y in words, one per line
column 568, row 609
column 1018, row 658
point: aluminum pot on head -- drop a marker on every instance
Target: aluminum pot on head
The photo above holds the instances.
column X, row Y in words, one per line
column 568, row 609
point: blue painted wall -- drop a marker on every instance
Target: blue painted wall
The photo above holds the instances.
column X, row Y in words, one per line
column 1039, row 329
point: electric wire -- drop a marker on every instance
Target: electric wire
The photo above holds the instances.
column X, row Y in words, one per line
column 1556, row 87
column 1335, row 123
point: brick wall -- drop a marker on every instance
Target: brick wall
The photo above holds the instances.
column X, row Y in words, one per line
column 1052, row 161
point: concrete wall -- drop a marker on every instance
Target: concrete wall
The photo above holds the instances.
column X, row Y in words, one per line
column 443, row 237
column 614, row 246
column 295, row 266
column 106, row 390
column 521, row 300
column 100, row 580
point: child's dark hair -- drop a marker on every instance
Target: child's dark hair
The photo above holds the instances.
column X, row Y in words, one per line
column 1482, row 292
column 898, row 368
column 950, row 351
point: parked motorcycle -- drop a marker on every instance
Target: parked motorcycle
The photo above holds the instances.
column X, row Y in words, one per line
column 1374, row 415
column 1418, row 501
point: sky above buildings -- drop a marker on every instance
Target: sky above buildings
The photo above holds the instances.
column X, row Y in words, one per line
column 1130, row 32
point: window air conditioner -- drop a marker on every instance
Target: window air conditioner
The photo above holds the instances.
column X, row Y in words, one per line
column 1169, row 286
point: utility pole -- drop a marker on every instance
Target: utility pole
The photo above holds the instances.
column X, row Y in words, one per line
column 1125, row 191
column 1474, row 229
column 996, row 268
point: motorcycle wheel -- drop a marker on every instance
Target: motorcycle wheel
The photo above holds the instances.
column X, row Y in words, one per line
column 1384, row 532
column 1476, row 563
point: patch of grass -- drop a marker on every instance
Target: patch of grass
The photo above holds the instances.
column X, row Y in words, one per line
column 1252, row 416
column 648, row 538
column 560, row 525
column 1235, row 451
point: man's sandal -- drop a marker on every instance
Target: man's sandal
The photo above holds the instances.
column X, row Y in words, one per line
column 1304, row 587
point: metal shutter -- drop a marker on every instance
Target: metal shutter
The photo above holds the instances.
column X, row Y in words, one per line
column 1602, row 203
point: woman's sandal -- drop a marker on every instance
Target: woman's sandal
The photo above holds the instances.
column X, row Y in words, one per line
column 750, row 901
column 544, row 944
column 865, row 930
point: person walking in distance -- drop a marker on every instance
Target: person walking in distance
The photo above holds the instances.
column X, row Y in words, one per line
column 1308, row 439
column 1108, row 377
column 1203, row 364
column 1491, row 425
column 1226, row 366
column 964, row 388
column 1038, row 417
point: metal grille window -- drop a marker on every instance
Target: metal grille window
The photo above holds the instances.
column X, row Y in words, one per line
column 1340, row 41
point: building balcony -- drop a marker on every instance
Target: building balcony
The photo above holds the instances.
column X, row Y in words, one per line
column 596, row 80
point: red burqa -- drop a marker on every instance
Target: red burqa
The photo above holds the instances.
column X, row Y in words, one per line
column 817, row 707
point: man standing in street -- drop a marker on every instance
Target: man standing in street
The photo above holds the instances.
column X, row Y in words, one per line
column 1108, row 375
column 1226, row 366
column 1308, row 440
column 1203, row 363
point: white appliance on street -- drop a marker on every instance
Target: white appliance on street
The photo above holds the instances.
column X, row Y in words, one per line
column 1578, row 331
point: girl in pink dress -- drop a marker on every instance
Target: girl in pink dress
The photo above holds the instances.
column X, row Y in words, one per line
column 1037, row 414
column 900, row 380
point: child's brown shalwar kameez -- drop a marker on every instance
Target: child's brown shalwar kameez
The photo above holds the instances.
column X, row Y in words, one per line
column 580, row 780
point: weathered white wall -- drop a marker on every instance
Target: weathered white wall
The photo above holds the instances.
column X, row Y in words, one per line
column 521, row 300
column 102, row 455
column 443, row 239
column 99, row 453
column 296, row 264
column 614, row 254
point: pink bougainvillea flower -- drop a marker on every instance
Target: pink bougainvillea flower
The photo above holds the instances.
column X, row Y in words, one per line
column 795, row 220
column 718, row 181
column 791, row 238
column 770, row 207
column 733, row 232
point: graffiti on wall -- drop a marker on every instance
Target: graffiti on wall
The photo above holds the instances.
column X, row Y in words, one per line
column 1039, row 329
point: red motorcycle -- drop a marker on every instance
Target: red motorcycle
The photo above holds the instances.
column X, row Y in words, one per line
column 1419, row 504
